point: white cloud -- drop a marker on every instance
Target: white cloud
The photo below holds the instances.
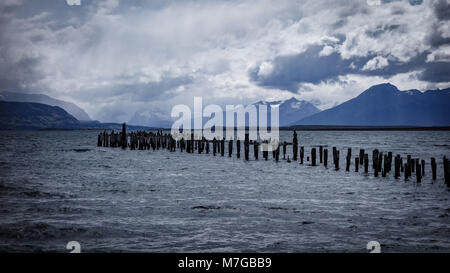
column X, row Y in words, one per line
column 73, row 2
column 327, row 50
column 376, row 63
column 266, row 68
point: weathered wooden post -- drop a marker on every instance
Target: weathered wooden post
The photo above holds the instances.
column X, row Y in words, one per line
column 418, row 172
column 265, row 151
column 337, row 160
column 214, row 146
column 321, row 154
column 356, row 164
column 433, row 168
column 380, row 160
column 222, row 147
column 230, row 147
column 325, row 157
column 207, row 146
column 302, row 154
column 366, row 163
column 361, row 156
column 397, row 167
column 334, row 156
column 313, row 156
column 277, row 152
column 99, row 140
column 446, row 171
column 238, row 148
column 246, row 146
column 422, row 164
column 284, row 150
column 389, row 164
column 349, row 156
column 406, row 171
column 295, row 146
column 255, row 149
column 375, row 159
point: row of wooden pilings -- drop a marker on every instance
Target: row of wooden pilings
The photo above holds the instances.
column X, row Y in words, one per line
column 381, row 163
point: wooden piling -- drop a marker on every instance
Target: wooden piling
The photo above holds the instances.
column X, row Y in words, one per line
column 361, row 156
column 366, row 163
column 336, row 165
column 397, row 167
column 422, row 164
column 99, row 140
column 302, row 154
column 348, row 158
column 246, row 146
column 446, row 171
column 433, row 168
column 313, row 157
column 321, row 154
column 418, row 172
column 356, row 164
column 277, row 153
column 294, row 146
column 325, row 157
column 238, row 148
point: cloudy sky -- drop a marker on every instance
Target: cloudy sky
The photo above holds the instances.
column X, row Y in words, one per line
column 122, row 60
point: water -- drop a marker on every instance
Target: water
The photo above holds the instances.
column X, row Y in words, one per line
column 57, row 186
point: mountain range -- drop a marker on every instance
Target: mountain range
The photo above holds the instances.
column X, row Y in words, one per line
column 71, row 108
column 380, row 105
column 28, row 115
column 289, row 111
column 385, row 105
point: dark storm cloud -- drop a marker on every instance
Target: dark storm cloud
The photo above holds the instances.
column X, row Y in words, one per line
column 436, row 38
column 376, row 33
column 310, row 67
column 442, row 10
column 16, row 74
column 436, row 72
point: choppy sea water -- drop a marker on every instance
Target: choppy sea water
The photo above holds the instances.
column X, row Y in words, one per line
column 57, row 186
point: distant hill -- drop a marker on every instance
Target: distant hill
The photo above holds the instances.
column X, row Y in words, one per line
column 27, row 115
column 385, row 105
column 291, row 110
column 71, row 108
column 145, row 118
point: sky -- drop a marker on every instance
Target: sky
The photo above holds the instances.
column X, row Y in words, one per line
column 133, row 60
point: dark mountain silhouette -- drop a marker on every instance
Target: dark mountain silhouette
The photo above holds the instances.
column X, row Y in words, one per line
column 71, row 108
column 27, row 115
column 385, row 105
